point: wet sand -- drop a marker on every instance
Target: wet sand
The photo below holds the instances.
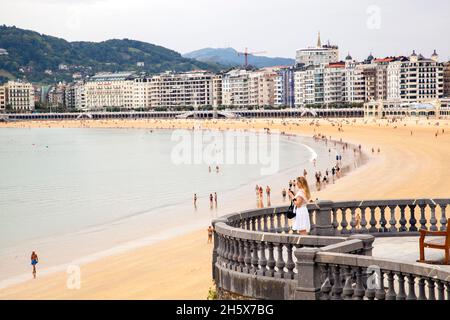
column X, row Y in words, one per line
column 408, row 166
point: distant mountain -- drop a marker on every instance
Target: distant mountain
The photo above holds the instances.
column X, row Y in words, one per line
column 46, row 59
column 229, row 57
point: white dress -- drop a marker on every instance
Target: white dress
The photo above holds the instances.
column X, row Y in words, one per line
column 301, row 215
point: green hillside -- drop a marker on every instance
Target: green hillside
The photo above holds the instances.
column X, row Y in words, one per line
column 30, row 54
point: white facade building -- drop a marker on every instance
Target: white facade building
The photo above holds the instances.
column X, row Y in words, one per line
column 19, row 96
column 321, row 54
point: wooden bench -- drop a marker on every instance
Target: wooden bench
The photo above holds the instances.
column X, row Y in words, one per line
column 440, row 241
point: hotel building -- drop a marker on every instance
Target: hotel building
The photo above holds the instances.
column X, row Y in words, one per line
column 109, row 90
column 19, row 96
column 321, row 54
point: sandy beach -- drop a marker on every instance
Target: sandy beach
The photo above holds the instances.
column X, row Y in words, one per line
column 412, row 163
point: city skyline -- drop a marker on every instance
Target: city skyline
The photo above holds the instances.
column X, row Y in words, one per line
column 378, row 27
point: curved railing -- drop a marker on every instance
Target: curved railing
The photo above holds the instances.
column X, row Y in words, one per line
column 255, row 256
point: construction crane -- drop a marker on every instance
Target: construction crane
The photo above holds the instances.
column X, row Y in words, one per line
column 246, row 54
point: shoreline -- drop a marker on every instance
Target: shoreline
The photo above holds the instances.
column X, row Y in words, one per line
column 178, row 230
column 408, row 166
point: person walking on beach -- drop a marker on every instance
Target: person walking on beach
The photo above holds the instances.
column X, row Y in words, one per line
column 215, row 198
column 268, row 193
column 34, row 262
column 305, row 173
column 210, row 234
column 211, row 200
column 302, row 224
column 195, row 200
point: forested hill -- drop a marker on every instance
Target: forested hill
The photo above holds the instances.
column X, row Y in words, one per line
column 46, row 59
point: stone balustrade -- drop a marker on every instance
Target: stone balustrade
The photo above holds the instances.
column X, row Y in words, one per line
column 255, row 256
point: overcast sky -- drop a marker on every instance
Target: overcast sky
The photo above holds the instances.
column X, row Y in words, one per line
column 279, row 27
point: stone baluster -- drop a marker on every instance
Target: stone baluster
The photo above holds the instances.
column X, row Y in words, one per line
column 370, row 290
column 440, row 290
column 279, row 227
column 290, row 265
column 359, row 288
column 353, row 221
column 431, row 287
column 412, row 219
column 443, row 219
column 286, row 224
column 280, row 262
column 219, row 248
column 433, row 220
column 247, row 259
column 253, row 224
column 272, row 223
column 255, row 257
column 411, row 288
column 241, row 257
column 265, row 227
column 402, row 219
column 383, row 221
column 401, row 287
column 271, row 261
column 373, row 221
column 344, row 222
column 258, row 223
column 380, row 293
column 226, row 252
column 422, row 295
column 363, row 222
column 334, row 221
column 230, row 253
column 236, row 255
column 262, row 260
column 447, row 289
column 390, row 294
column 423, row 220
column 348, row 286
column 325, row 287
column 247, row 224
column 336, row 291
column 392, row 220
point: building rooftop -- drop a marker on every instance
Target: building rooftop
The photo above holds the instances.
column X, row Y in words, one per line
column 118, row 76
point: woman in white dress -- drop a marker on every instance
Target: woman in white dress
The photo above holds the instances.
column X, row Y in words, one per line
column 302, row 224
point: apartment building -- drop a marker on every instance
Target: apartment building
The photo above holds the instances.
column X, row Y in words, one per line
column 334, row 83
column 217, row 90
column 309, row 86
column 109, row 90
column 354, row 81
column 142, row 93
column 421, row 78
column 2, row 99
column 19, row 96
column 262, row 87
column 235, row 88
column 447, row 79
column 74, row 96
column 182, row 89
column 284, row 85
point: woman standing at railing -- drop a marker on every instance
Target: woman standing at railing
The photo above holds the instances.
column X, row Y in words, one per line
column 301, row 223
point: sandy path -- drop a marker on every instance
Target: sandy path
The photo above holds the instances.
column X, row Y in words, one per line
column 408, row 166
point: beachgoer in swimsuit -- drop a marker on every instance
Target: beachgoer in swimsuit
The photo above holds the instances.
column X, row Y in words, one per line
column 34, row 262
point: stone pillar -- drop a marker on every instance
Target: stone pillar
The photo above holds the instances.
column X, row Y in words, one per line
column 367, row 240
column 324, row 226
column 216, row 245
column 309, row 274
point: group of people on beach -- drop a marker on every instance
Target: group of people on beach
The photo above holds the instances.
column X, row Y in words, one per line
column 212, row 200
column 260, row 196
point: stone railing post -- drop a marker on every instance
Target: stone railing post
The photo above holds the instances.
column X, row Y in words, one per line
column 367, row 240
column 216, row 245
column 324, row 224
column 308, row 274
